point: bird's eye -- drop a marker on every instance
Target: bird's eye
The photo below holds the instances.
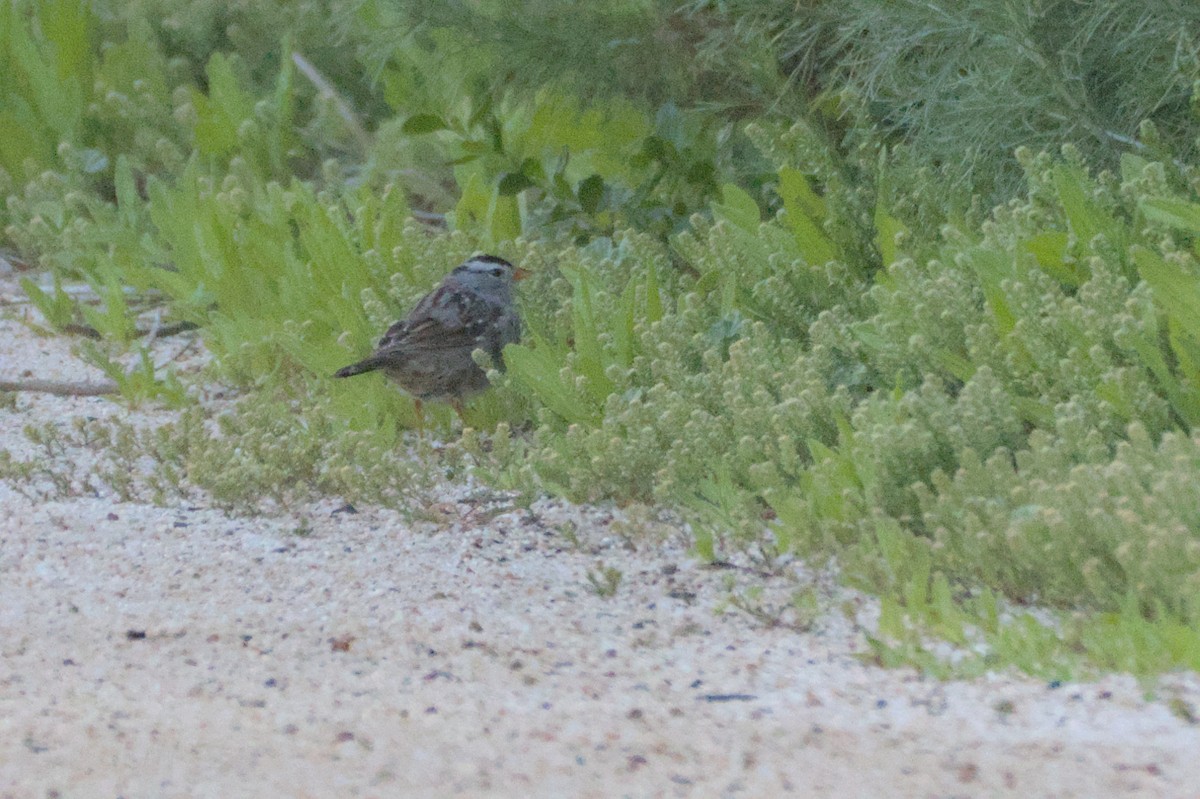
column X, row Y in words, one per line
column 497, row 272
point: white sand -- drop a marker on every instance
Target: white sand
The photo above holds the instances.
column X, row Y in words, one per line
column 471, row 658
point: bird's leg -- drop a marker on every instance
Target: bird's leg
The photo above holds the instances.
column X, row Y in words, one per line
column 458, row 408
column 420, row 411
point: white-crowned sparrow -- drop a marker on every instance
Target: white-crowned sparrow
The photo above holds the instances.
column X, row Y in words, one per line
column 429, row 352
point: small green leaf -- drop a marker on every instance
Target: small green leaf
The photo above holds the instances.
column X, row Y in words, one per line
column 417, row 124
column 591, row 192
column 513, row 183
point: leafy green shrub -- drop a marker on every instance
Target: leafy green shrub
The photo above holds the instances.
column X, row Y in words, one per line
column 1039, row 526
column 1034, row 336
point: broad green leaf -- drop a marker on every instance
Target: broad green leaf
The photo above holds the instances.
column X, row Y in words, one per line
column 22, row 140
column 1086, row 218
column 68, row 25
column 803, row 213
column 738, row 208
column 1186, row 346
column 504, row 217
column 1172, row 212
column 887, row 228
column 597, row 141
column 993, row 267
column 481, row 110
column 1183, row 398
column 960, row 366
column 655, row 148
column 1049, row 249
column 797, row 194
column 1177, row 291
column 471, row 212
column 586, row 331
column 221, row 112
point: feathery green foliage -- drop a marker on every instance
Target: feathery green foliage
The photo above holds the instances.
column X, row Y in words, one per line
column 964, row 83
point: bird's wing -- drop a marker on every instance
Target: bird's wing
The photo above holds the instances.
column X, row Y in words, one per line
column 449, row 321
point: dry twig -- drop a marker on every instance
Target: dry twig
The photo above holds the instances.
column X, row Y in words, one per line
column 61, row 388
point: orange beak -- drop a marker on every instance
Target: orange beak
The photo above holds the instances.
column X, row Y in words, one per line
column 520, row 274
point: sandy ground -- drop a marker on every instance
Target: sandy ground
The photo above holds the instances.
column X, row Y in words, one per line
column 180, row 652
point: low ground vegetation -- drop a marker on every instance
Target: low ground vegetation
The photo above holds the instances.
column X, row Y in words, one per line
column 815, row 317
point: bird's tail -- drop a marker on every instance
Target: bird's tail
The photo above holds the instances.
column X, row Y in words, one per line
column 362, row 367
